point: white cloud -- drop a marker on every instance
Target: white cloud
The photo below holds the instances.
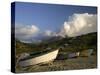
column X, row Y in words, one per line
column 49, row 33
column 31, row 33
column 79, row 24
column 25, row 32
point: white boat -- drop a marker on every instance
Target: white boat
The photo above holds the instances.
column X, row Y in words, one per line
column 39, row 58
column 72, row 55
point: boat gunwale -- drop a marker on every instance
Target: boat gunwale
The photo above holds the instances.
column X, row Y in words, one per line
column 40, row 54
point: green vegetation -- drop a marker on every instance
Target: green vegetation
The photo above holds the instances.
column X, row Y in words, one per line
column 74, row 44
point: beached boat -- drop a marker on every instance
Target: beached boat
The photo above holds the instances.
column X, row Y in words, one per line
column 73, row 55
column 37, row 58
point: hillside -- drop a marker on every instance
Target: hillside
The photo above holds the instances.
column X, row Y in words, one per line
column 78, row 43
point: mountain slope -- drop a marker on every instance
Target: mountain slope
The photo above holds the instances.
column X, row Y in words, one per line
column 74, row 44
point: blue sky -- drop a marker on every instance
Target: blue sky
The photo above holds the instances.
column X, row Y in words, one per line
column 35, row 20
column 47, row 16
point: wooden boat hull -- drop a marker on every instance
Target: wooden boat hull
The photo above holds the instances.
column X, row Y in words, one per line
column 40, row 59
